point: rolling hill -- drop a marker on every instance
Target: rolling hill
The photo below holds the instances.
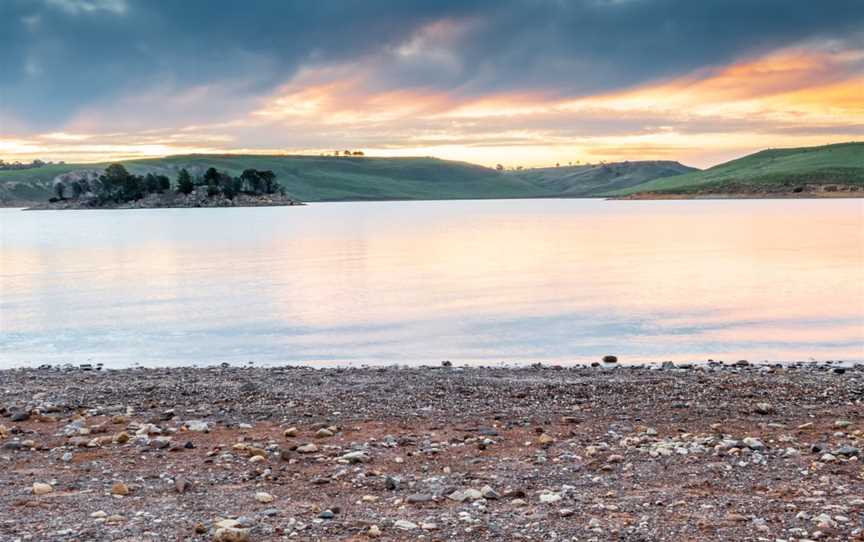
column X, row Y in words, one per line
column 317, row 178
column 597, row 179
column 805, row 169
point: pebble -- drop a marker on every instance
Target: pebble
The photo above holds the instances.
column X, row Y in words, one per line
column 466, row 495
column 40, row 488
column 264, row 497
column 549, row 498
column 488, row 493
column 848, row 451
column 356, row 457
column 290, row 432
column 405, row 525
column 307, row 449
column 197, row 426
column 373, row 532
column 764, row 408
column 181, row 485
column 231, row 534
column 545, row 440
column 119, row 488
column 392, row 483
column 20, row 416
column 753, row 443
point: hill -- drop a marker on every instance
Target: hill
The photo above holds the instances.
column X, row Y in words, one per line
column 799, row 170
column 317, row 178
column 598, row 179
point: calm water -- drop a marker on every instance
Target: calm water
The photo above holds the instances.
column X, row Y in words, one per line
column 470, row 281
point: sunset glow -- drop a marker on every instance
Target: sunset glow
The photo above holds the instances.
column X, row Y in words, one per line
column 420, row 95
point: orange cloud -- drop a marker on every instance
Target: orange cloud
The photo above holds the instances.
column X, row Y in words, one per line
column 794, row 97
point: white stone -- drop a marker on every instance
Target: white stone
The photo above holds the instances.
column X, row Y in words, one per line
column 264, row 497
column 549, row 498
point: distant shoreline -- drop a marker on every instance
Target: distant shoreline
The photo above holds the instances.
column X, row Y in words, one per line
column 178, row 202
column 32, row 206
column 779, row 195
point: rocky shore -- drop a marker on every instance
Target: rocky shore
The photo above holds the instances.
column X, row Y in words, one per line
column 688, row 452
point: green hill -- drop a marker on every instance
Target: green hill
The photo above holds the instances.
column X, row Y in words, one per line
column 316, row 178
column 597, row 179
column 803, row 169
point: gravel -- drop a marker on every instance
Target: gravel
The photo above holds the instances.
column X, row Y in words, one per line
column 615, row 452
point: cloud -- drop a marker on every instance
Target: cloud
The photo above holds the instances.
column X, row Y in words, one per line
column 86, row 52
column 75, row 7
column 63, row 57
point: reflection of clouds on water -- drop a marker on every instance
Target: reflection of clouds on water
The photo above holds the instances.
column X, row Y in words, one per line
column 421, row 281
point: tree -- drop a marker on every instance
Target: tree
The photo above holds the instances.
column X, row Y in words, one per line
column 114, row 179
column 211, row 177
column 133, row 188
column 268, row 181
column 77, row 189
column 184, row 182
column 60, row 190
column 151, row 183
column 252, row 180
column 164, row 183
column 236, row 185
column 499, row 167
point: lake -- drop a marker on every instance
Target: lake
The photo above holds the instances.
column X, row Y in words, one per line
column 506, row 281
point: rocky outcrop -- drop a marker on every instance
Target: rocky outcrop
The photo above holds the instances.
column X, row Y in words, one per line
column 198, row 198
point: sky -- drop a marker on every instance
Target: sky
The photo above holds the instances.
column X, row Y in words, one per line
column 516, row 82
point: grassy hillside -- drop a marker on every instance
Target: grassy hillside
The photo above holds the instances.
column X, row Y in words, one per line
column 595, row 179
column 310, row 178
column 314, row 178
column 768, row 171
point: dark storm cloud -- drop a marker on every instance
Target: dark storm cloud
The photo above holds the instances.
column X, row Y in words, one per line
column 58, row 56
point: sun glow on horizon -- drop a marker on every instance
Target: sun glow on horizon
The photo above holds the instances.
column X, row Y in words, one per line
column 789, row 98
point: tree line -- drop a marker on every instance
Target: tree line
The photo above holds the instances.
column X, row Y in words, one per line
column 7, row 166
column 118, row 185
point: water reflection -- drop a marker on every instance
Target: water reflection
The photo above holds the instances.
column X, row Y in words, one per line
column 423, row 281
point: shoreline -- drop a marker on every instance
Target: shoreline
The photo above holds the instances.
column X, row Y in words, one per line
column 178, row 202
column 736, row 451
column 733, row 196
column 32, row 206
